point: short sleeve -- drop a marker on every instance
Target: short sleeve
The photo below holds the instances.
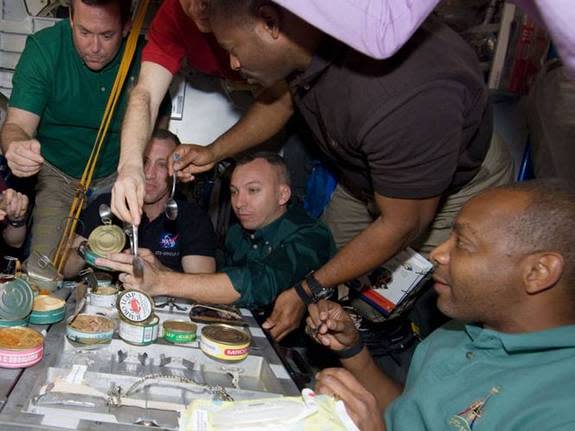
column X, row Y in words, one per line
column 164, row 45
column 32, row 79
column 413, row 148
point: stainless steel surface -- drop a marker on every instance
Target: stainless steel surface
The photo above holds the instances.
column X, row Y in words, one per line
column 171, row 210
column 137, row 263
column 160, row 372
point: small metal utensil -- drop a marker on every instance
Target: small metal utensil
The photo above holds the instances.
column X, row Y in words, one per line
column 137, row 263
column 171, row 210
column 105, row 213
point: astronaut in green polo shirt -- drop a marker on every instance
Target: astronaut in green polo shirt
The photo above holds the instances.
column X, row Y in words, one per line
column 60, row 89
column 507, row 275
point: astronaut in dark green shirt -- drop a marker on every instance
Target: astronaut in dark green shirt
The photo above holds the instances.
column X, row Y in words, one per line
column 274, row 246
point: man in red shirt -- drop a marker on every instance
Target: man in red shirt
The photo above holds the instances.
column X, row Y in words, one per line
column 180, row 30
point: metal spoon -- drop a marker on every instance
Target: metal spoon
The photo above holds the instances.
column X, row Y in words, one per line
column 137, row 263
column 171, row 210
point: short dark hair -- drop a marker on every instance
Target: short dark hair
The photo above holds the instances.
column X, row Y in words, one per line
column 239, row 10
column 272, row 158
column 125, row 7
column 165, row 134
column 548, row 221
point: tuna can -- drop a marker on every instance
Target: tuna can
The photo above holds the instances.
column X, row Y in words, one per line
column 11, row 323
column 20, row 347
column 90, row 329
column 104, row 297
column 103, row 279
column 139, row 334
column 106, row 239
column 16, row 299
column 47, row 309
column 225, row 342
column 179, row 332
column 103, row 240
column 135, row 306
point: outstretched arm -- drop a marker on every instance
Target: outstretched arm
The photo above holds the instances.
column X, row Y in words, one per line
column 141, row 114
column 266, row 117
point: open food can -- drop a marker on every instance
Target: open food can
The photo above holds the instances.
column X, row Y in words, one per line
column 225, row 342
column 20, row 347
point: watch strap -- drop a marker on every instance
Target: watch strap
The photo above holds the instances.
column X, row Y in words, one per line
column 350, row 351
column 17, row 223
column 314, row 285
column 304, row 296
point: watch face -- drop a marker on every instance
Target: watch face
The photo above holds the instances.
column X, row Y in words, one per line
column 324, row 294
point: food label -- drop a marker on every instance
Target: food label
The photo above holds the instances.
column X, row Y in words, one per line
column 135, row 306
column 136, row 334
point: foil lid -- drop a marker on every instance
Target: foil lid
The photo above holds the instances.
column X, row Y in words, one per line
column 135, row 306
column 16, row 299
column 107, row 239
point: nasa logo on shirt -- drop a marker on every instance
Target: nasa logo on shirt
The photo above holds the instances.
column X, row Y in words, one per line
column 168, row 240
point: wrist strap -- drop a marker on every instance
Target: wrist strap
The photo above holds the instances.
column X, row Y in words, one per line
column 307, row 299
column 17, row 223
column 314, row 285
column 350, row 351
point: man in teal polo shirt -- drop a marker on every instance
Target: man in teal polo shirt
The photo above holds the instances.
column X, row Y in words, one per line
column 273, row 246
column 507, row 275
column 60, row 90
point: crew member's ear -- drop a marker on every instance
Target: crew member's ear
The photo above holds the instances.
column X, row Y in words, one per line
column 271, row 16
column 542, row 271
column 126, row 28
column 285, row 194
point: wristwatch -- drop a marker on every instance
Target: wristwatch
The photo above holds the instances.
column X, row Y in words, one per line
column 17, row 223
column 318, row 291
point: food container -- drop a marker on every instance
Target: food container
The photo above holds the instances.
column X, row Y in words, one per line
column 47, row 309
column 103, row 279
column 135, row 306
column 11, row 323
column 20, row 347
column 225, row 342
column 103, row 240
column 106, row 239
column 90, row 329
column 139, row 334
column 179, row 332
column 104, row 297
column 16, row 299
column 41, row 272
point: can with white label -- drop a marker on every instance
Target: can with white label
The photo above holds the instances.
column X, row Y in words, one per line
column 139, row 334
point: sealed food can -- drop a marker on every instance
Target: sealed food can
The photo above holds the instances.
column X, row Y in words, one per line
column 135, row 306
column 139, row 334
column 47, row 309
column 179, row 332
column 106, row 239
column 20, row 347
column 16, row 298
column 10, row 323
column 90, row 329
column 225, row 342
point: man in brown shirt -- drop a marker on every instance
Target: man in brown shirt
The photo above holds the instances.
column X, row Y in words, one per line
column 409, row 136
